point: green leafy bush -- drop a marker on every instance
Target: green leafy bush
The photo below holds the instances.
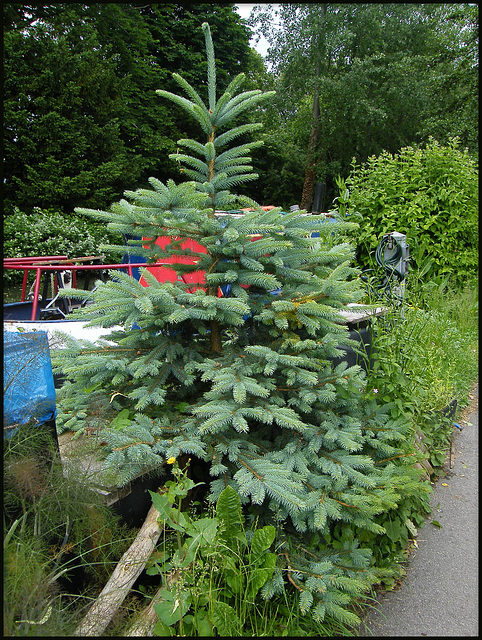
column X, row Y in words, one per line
column 215, row 568
column 48, row 233
column 426, row 358
column 431, row 195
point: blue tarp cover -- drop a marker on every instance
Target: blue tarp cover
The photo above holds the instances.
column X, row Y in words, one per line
column 28, row 382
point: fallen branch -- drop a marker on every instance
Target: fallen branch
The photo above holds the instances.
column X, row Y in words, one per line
column 125, row 574
column 146, row 621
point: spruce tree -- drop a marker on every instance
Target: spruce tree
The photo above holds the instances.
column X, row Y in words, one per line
column 232, row 362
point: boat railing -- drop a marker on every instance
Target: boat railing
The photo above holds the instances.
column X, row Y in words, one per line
column 14, row 263
column 41, row 265
column 57, row 264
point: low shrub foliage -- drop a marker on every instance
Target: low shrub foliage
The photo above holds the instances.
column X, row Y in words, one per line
column 48, row 233
column 428, row 193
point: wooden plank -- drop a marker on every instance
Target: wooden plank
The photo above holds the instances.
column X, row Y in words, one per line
column 81, row 462
column 355, row 313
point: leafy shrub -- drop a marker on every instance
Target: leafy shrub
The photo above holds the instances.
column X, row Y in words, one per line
column 215, row 570
column 49, row 233
column 427, row 358
column 429, row 194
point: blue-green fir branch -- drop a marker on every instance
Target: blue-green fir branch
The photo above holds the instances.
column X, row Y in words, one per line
column 211, row 66
column 237, row 369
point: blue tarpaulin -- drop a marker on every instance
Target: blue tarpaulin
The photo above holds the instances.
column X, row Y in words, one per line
column 28, row 383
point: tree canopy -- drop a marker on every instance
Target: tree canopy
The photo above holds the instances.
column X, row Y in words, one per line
column 357, row 79
column 82, row 119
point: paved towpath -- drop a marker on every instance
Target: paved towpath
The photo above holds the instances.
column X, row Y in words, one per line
column 439, row 596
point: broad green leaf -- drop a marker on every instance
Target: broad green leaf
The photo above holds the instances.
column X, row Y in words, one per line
column 122, row 419
column 183, row 407
column 202, row 624
column 225, row 620
column 393, row 529
column 162, row 504
column 162, row 630
column 235, row 581
column 228, row 510
column 260, row 574
column 202, row 534
column 262, row 540
column 173, row 606
column 203, row 531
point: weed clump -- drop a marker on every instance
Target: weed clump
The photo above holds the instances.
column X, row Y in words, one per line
column 60, row 540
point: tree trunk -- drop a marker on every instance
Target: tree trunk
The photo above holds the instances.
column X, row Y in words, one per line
column 125, row 574
column 216, row 343
column 308, row 187
column 310, row 174
column 313, row 142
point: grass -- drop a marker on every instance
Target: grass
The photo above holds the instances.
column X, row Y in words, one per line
column 433, row 344
column 427, row 357
column 60, row 542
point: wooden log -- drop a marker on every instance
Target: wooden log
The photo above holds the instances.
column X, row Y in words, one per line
column 125, row 574
column 145, row 622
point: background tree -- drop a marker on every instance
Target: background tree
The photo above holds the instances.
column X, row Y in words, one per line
column 377, row 77
column 65, row 100
column 82, row 121
column 452, row 102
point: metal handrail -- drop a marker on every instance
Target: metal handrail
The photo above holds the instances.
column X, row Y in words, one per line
column 39, row 268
